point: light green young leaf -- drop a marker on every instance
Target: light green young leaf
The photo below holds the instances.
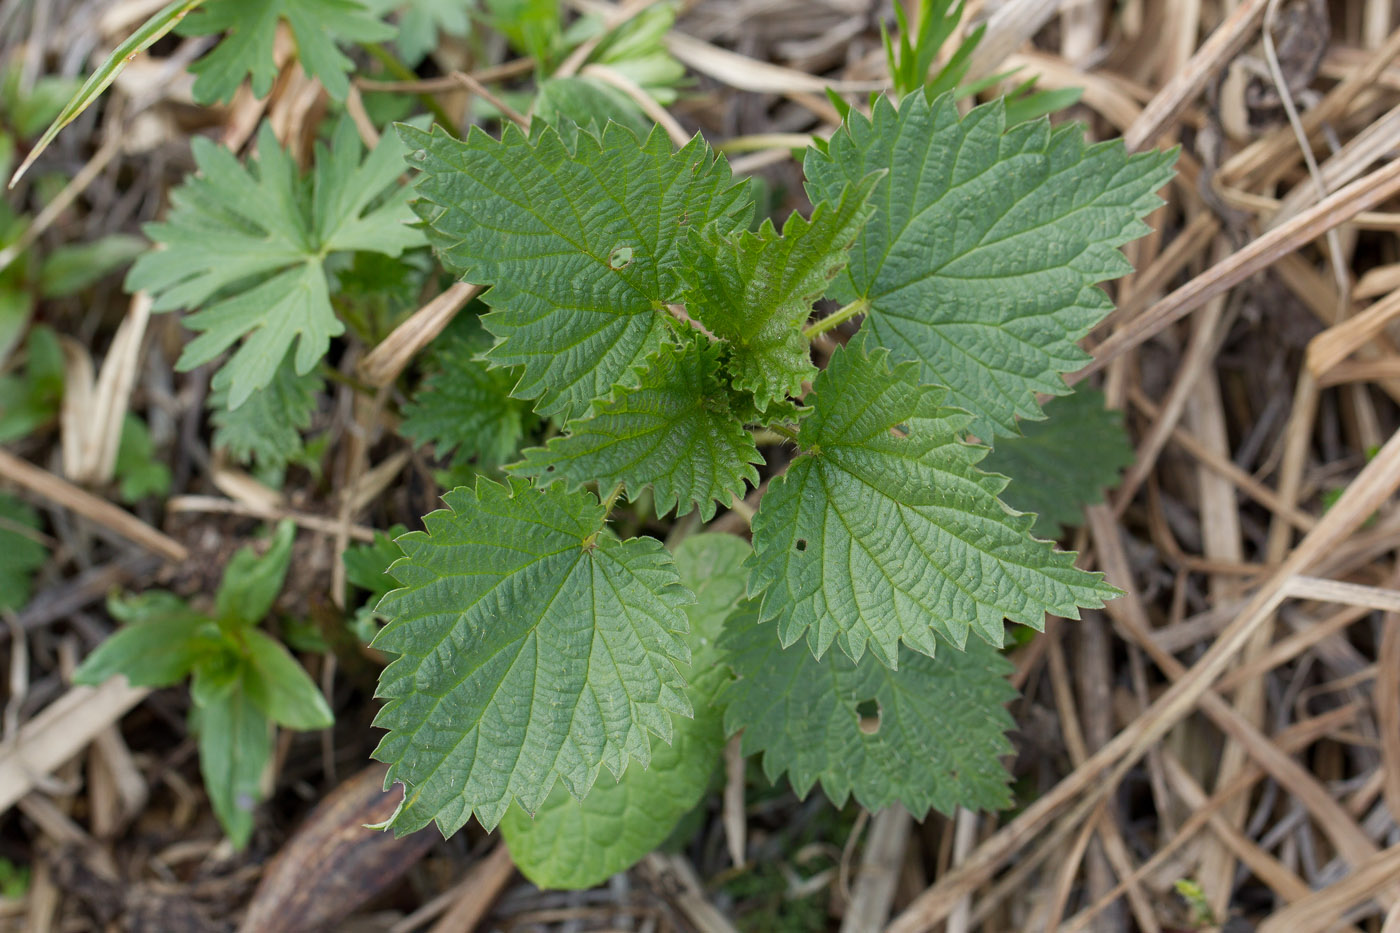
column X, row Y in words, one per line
column 234, row 748
column 139, row 472
column 251, row 583
column 16, row 308
column 162, row 641
column 367, row 567
column 265, row 431
column 637, row 50
column 884, row 530
column 69, row 269
column 31, row 400
column 754, row 290
column 581, row 242
column 21, row 553
column 464, row 406
column 151, row 606
column 588, row 102
column 577, row 844
column 676, row 430
column 1063, row 463
column 531, row 26
column 421, row 21
column 929, row 734
column 253, row 240
column 279, row 686
column 532, row 645
column 983, row 260
column 251, row 26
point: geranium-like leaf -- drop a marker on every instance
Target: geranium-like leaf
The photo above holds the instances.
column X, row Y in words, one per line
column 251, row 27
column 253, row 240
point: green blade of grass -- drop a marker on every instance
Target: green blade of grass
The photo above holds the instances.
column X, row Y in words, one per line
column 151, row 31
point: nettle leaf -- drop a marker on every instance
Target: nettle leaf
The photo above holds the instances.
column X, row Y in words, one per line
column 929, row 734
column 251, row 27
column 464, row 406
column 532, row 645
column 884, row 530
column 21, row 551
column 1063, row 463
column 581, row 240
column 577, row 844
column 266, row 429
column 983, row 258
column 253, row 239
column 676, row 429
column 755, row 289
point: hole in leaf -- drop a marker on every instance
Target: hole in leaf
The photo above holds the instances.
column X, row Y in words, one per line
column 620, row 258
column 802, row 544
column 869, row 713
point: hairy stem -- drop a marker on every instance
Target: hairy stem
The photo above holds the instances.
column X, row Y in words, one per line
column 837, row 318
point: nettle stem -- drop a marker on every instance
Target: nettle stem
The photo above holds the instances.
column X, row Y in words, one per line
column 611, row 500
column 837, row 318
column 783, row 430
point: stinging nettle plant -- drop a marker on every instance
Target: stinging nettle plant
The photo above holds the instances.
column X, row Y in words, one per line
column 540, row 659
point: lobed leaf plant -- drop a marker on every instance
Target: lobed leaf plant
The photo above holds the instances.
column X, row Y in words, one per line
column 575, row 685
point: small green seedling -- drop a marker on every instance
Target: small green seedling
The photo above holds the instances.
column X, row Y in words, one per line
column 242, row 679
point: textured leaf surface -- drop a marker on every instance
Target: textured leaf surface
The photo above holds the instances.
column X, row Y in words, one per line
column 265, row 431
column 1063, row 463
column 884, row 529
column 676, row 430
column 253, row 241
column 21, row 553
column 982, row 259
column 247, row 49
column 531, row 646
column 577, row 844
column 464, row 407
column 755, row 290
column 926, row 735
column 580, row 241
